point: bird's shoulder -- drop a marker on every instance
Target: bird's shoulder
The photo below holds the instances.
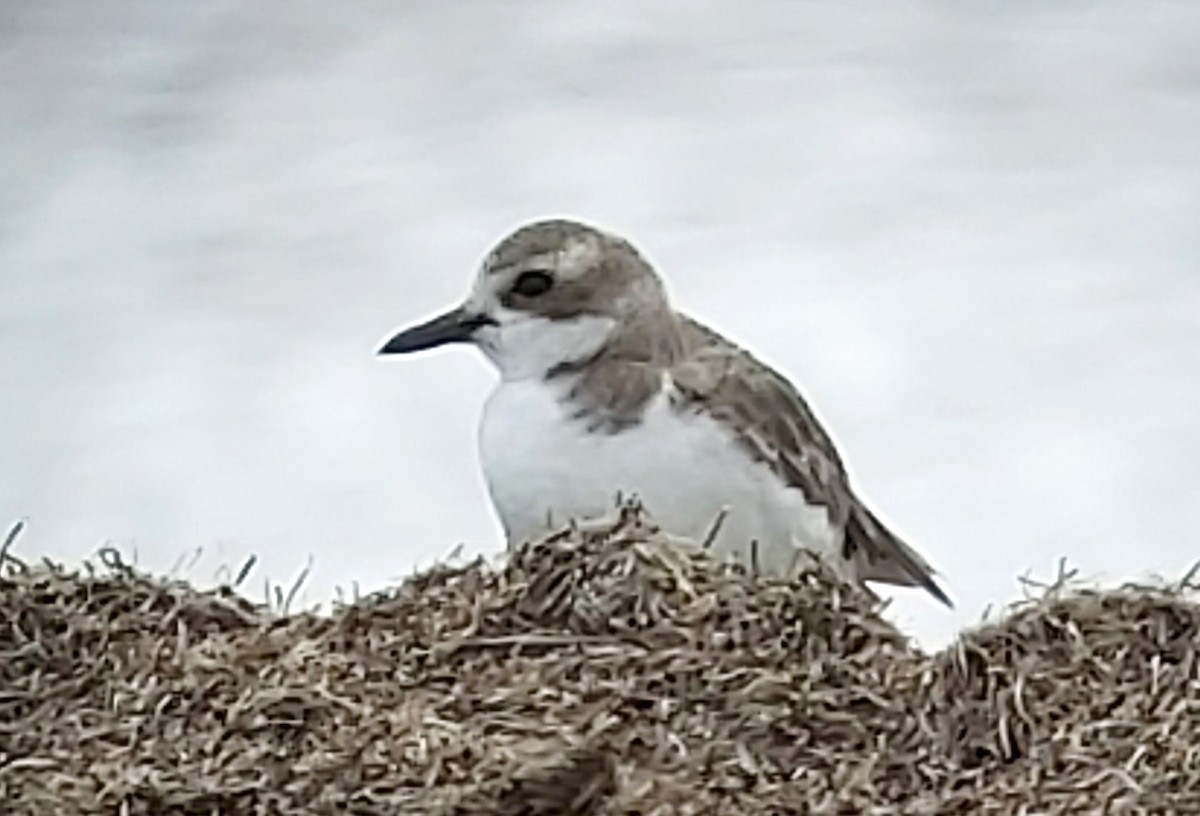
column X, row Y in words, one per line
column 763, row 410
column 769, row 417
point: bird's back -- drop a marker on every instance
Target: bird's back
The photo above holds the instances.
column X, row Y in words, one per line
column 776, row 426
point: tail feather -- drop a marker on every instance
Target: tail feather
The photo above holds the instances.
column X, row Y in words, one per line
column 880, row 555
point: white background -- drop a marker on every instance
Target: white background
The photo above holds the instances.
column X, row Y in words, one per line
column 969, row 231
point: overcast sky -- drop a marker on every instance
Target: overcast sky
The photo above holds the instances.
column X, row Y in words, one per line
column 968, row 231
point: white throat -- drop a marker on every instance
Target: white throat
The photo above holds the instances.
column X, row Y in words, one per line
column 525, row 346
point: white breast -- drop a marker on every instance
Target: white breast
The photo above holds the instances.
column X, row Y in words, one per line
column 543, row 469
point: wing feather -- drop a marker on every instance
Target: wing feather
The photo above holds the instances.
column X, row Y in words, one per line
column 777, row 427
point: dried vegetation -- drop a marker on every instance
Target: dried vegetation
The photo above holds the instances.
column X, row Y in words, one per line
column 599, row 672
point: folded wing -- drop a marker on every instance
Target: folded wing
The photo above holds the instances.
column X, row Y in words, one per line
column 775, row 425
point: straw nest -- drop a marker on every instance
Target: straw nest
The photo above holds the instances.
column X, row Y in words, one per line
column 598, row 672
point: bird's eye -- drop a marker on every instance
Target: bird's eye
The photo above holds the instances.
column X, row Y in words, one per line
column 533, row 283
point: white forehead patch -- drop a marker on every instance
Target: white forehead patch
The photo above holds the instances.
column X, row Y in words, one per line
column 578, row 255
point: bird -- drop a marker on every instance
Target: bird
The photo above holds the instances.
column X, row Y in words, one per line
column 606, row 390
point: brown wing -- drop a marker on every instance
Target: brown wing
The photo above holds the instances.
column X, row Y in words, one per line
column 778, row 428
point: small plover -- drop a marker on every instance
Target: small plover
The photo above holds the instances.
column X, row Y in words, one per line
column 605, row 390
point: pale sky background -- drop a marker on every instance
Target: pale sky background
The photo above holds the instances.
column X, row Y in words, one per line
column 968, row 230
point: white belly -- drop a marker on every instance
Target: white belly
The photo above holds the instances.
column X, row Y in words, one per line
column 544, row 469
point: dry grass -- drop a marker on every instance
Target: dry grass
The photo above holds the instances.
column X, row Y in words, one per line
column 603, row 672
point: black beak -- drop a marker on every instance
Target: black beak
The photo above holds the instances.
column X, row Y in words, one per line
column 455, row 326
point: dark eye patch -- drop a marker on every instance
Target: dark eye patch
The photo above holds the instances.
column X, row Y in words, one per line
column 533, row 283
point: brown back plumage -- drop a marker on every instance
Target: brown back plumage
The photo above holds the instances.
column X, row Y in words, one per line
column 776, row 426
